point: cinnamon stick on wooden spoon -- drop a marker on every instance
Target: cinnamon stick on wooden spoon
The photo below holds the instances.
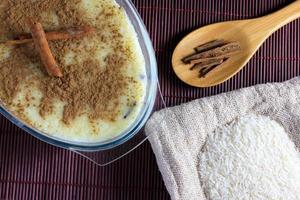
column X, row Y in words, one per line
column 250, row 33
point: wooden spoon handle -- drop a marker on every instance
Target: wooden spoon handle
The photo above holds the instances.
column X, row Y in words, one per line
column 282, row 17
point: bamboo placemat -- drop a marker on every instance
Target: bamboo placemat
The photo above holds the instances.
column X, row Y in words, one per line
column 30, row 169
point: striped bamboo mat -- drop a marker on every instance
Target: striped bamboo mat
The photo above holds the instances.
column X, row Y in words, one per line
column 30, row 169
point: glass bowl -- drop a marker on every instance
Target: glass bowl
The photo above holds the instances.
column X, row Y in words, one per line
column 151, row 90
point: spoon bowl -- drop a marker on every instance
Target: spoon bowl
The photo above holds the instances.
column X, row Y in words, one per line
column 251, row 34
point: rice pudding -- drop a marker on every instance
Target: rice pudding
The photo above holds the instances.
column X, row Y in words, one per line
column 103, row 86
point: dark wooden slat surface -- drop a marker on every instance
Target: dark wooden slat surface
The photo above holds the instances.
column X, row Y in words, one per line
column 30, row 169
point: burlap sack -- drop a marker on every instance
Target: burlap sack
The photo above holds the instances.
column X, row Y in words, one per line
column 177, row 134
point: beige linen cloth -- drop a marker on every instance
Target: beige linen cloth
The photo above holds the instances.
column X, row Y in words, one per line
column 177, row 134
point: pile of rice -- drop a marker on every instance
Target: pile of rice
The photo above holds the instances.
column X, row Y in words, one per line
column 250, row 159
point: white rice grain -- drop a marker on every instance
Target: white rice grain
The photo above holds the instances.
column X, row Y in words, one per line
column 250, row 159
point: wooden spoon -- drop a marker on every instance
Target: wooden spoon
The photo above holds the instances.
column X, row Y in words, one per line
column 249, row 33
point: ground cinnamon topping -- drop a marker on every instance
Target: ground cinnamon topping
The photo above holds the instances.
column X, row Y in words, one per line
column 12, row 73
column 88, row 86
column 85, row 87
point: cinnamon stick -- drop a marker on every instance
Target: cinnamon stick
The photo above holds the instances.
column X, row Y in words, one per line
column 205, row 70
column 210, row 45
column 221, row 57
column 207, row 63
column 41, row 44
column 213, row 53
column 71, row 33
